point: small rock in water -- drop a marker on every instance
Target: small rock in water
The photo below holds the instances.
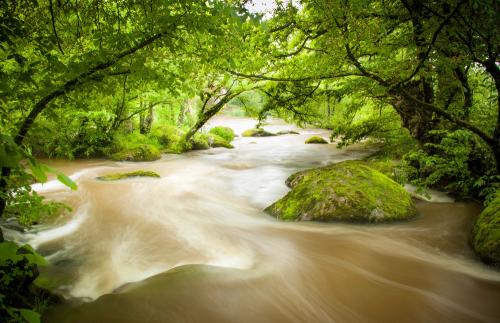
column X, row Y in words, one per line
column 316, row 140
column 118, row 176
column 258, row 132
column 287, row 132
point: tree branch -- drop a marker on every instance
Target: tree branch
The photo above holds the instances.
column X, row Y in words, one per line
column 79, row 80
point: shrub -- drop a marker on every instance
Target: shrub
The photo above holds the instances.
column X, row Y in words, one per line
column 143, row 152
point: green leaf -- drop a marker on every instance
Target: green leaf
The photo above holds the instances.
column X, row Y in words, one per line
column 37, row 171
column 30, row 316
column 67, row 181
column 10, row 154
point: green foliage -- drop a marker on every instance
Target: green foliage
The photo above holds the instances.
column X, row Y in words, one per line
column 225, row 133
column 84, row 134
column 18, row 270
column 166, row 135
column 25, row 204
column 457, row 162
column 143, row 152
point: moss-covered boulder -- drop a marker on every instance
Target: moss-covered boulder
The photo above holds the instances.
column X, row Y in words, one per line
column 225, row 133
column 199, row 142
column 137, row 173
column 316, row 140
column 257, row 132
column 143, row 152
column 486, row 233
column 217, row 141
column 347, row 191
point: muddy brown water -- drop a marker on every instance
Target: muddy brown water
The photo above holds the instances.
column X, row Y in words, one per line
column 195, row 246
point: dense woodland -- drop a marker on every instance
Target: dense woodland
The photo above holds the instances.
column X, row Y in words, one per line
column 134, row 79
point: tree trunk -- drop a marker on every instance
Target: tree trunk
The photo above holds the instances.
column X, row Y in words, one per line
column 493, row 69
column 146, row 120
column 3, row 188
column 417, row 121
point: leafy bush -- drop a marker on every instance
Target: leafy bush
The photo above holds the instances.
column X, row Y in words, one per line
column 457, row 161
column 20, row 300
column 167, row 136
column 126, row 141
column 144, row 152
column 85, row 134
column 225, row 132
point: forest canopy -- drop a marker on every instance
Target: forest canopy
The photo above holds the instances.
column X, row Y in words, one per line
column 78, row 77
column 132, row 79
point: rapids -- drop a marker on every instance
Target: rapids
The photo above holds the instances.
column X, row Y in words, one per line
column 195, row 246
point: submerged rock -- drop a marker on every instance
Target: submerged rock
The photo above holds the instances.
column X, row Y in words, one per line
column 143, row 152
column 348, row 191
column 486, row 233
column 257, row 132
column 137, row 173
column 287, row 132
column 316, row 140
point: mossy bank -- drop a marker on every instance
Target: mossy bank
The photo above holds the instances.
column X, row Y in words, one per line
column 348, row 191
column 486, row 233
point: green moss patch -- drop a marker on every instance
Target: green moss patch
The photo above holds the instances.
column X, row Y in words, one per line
column 225, row 133
column 257, row 132
column 137, row 173
column 316, row 140
column 199, row 142
column 348, row 191
column 143, row 152
column 486, row 233
column 218, row 141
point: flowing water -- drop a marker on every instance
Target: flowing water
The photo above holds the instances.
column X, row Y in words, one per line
column 195, row 246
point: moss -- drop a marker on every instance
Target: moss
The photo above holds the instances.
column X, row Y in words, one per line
column 166, row 135
column 316, row 140
column 143, row 152
column 217, row 141
column 486, row 233
column 287, row 132
column 198, row 142
column 225, row 133
column 257, row 132
column 348, row 191
column 137, row 173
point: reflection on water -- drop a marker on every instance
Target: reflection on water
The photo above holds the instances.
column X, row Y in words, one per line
column 194, row 246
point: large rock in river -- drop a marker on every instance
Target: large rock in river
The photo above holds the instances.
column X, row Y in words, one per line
column 486, row 233
column 347, row 191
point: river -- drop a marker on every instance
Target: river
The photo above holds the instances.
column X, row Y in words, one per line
column 195, row 246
